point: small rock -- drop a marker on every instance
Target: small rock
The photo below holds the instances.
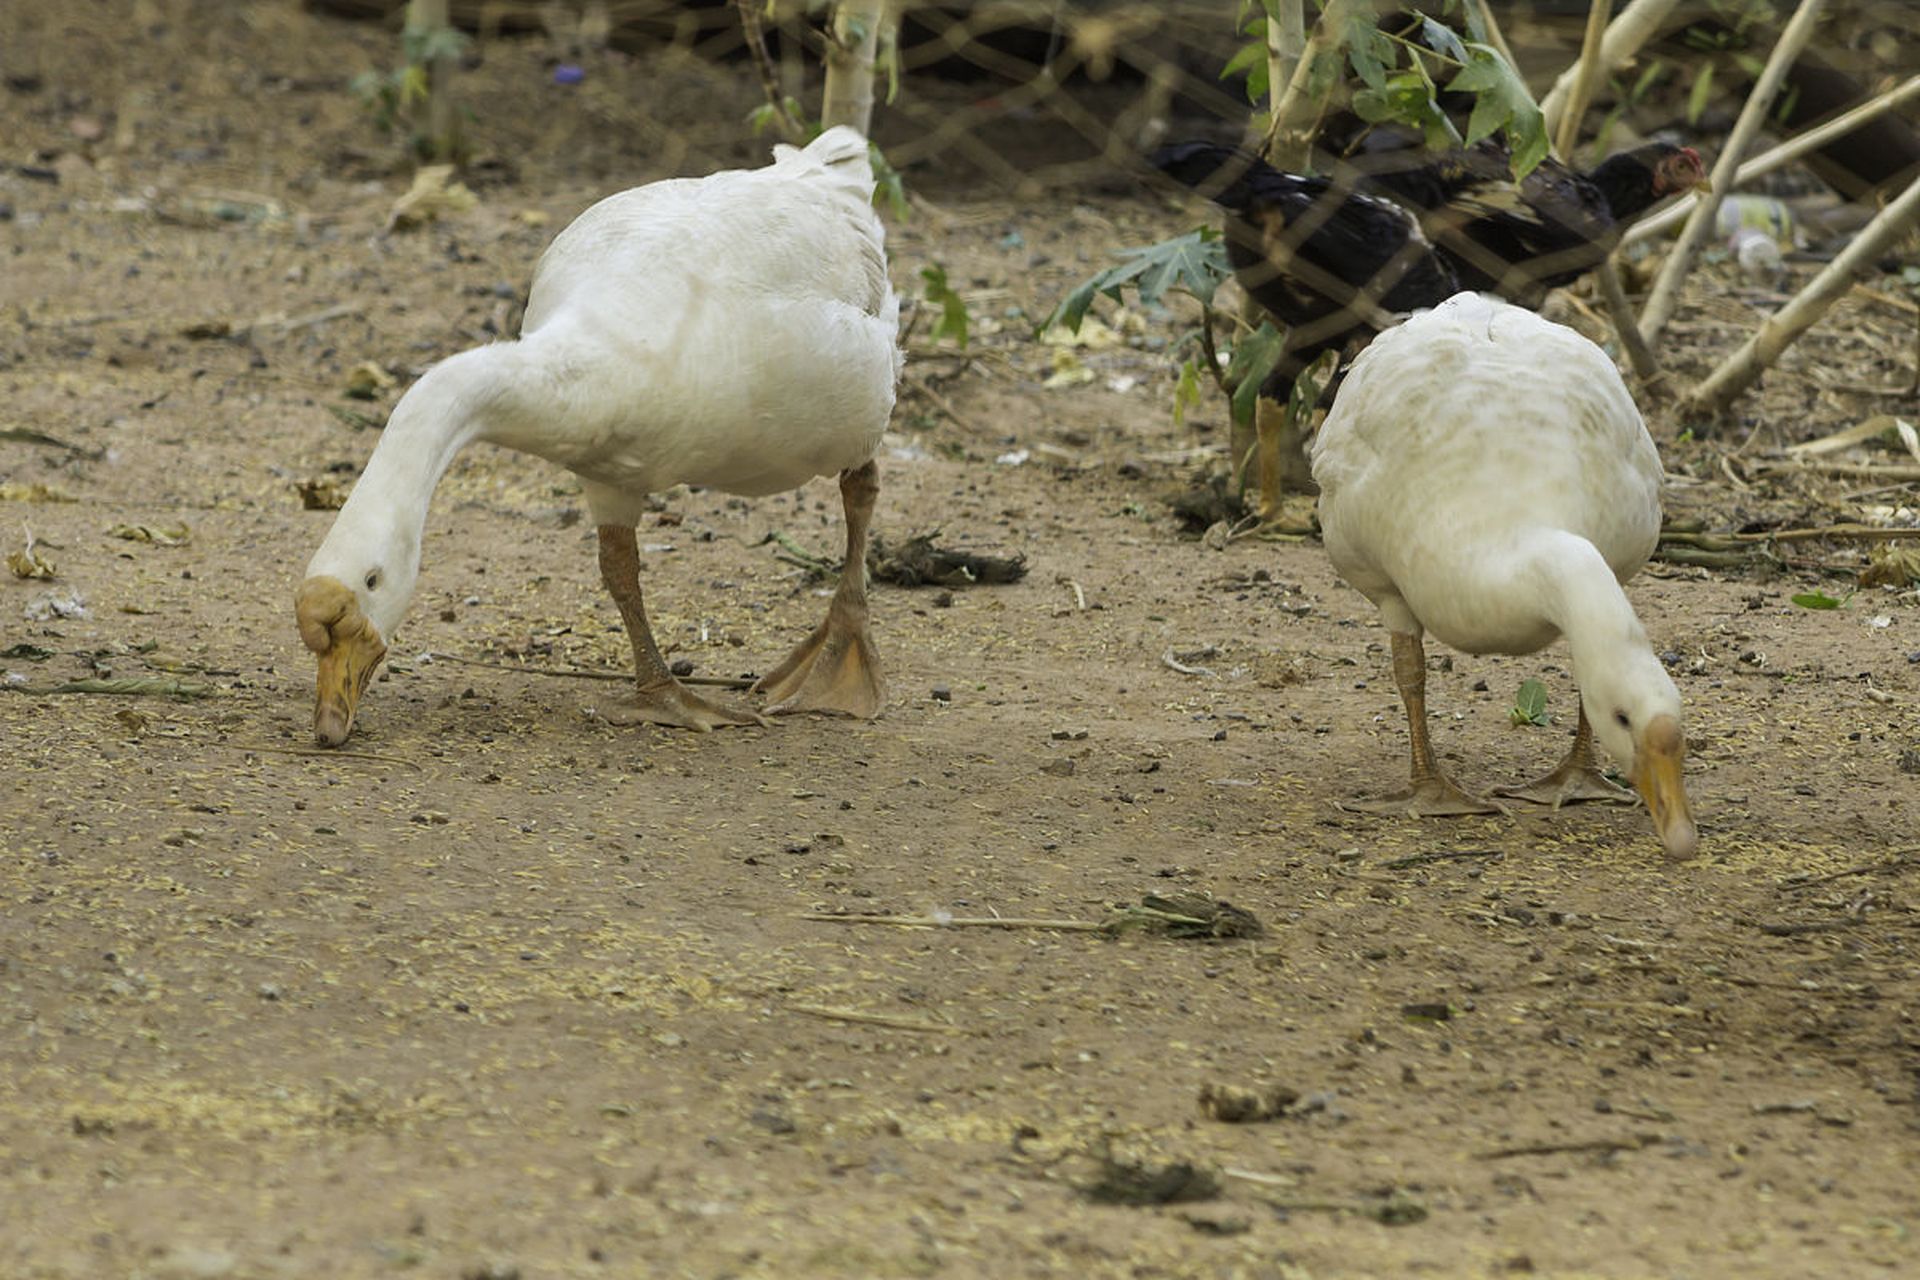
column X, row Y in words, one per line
column 682, row 667
column 1059, row 768
column 1068, row 735
column 771, row 1121
column 942, row 693
column 1236, row 1104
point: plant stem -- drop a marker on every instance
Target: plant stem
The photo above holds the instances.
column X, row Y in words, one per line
column 425, row 18
column 848, row 97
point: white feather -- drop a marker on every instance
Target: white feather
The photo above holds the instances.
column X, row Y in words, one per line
column 736, row 331
column 1486, row 477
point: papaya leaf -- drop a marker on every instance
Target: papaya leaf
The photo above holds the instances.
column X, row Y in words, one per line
column 1504, row 104
column 1441, row 39
column 1196, row 262
column 1250, row 61
column 1253, row 359
column 1369, row 51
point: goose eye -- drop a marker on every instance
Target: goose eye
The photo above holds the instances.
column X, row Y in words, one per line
column 373, row 580
column 1620, row 718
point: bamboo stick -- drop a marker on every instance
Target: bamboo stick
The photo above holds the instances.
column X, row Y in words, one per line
column 1590, row 67
column 1788, row 151
column 1666, row 288
column 1740, row 369
column 1638, row 23
column 848, row 97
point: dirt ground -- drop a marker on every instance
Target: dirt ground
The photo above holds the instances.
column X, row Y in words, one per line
column 502, row 991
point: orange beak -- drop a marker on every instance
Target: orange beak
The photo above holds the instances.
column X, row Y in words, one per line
column 350, row 650
column 1656, row 776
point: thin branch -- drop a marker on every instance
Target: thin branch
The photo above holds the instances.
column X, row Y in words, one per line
column 960, row 922
column 878, row 1019
column 1787, row 152
column 756, row 40
column 1666, row 288
column 1744, row 366
column 1620, row 311
column 1590, row 68
column 1561, row 1148
column 584, row 673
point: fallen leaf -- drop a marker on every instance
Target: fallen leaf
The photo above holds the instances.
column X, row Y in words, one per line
column 161, row 537
column 322, row 494
column 367, row 380
column 30, row 564
column 434, row 192
column 34, row 491
column 1891, row 564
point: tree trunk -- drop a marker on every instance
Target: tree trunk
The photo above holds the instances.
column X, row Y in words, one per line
column 850, row 50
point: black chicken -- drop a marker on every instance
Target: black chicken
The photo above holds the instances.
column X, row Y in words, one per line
column 1327, row 261
column 1397, row 229
column 1520, row 239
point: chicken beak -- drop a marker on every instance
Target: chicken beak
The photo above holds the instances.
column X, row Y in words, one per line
column 1656, row 776
column 350, row 650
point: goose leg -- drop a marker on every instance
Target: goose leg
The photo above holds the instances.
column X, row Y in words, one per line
column 658, row 698
column 1432, row 794
column 1575, row 779
column 834, row 669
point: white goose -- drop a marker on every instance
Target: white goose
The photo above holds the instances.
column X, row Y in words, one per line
column 1484, row 475
column 736, row 331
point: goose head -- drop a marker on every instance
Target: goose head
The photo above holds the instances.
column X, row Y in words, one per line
column 350, row 604
column 1634, row 709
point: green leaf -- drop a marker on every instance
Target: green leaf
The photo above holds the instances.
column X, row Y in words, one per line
column 1312, row 381
column 1440, row 38
column 1698, row 95
column 1186, row 391
column 1253, row 359
column 1251, row 61
column 953, row 308
column 1196, row 262
column 888, row 185
column 1503, row 98
column 1369, row 51
column 1654, row 71
column 1530, row 704
column 1819, row 600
